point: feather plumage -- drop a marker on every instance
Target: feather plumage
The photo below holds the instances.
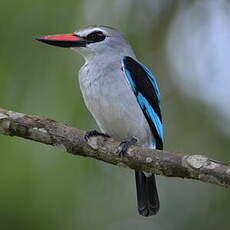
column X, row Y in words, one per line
column 144, row 87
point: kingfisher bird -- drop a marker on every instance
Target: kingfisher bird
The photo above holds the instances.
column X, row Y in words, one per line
column 122, row 95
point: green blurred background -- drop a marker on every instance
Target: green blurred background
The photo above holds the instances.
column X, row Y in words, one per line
column 43, row 188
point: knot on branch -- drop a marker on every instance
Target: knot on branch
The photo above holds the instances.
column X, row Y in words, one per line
column 139, row 158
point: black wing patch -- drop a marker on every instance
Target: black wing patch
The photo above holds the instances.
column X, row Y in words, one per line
column 145, row 88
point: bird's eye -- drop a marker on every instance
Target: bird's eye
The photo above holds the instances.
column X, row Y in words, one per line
column 95, row 36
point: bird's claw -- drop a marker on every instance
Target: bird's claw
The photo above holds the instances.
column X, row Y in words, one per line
column 124, row 145
column 93, row 133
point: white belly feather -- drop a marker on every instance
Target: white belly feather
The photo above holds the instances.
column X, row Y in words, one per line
column 113, row 105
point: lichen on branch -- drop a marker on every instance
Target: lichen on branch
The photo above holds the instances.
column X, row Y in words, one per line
column 71, row 140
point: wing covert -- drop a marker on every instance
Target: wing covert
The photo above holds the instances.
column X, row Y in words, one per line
column 144, row 86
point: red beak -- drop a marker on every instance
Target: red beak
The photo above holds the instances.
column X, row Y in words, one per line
column 63, row 40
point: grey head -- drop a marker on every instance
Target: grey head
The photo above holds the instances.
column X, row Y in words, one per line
column 92, row 41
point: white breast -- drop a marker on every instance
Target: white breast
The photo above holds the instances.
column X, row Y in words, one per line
column 112, row 103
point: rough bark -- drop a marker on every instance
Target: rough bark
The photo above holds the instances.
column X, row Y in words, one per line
column 71, row 140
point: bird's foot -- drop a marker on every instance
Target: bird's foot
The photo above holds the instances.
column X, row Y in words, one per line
column 124, row 145
column 93, row 133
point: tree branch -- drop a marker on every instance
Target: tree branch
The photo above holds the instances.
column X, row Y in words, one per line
column 72, row 140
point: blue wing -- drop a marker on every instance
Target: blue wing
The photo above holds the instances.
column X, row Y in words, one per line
column 144, row 86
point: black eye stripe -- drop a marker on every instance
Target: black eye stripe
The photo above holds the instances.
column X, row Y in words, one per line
column 95, row 36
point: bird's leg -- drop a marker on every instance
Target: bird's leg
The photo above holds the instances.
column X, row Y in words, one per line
column 93, row 133
column 124, row 145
